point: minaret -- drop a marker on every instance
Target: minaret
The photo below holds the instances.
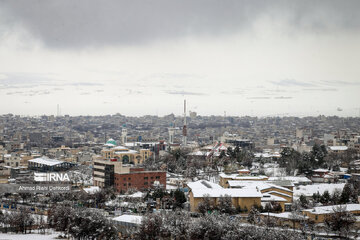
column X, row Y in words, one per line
column 123, row 134
column 184, row 128
column 171, row 133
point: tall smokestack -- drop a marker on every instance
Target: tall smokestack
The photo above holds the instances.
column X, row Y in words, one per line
column 184, row 128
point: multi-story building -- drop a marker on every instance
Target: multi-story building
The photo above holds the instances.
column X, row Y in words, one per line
column 104, row 170
column 12, row 160
column 139, row 179
column 113, row 173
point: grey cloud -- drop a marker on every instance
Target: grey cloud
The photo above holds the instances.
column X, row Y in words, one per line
column 258, row 98
column 282, row 97
column 342, row 83
column 80, row 23
column 321, row 89
column 82, row 84
column 235, row 92
column 31, row 80
column 184, row 93
column 23, row 80
column 293, row 82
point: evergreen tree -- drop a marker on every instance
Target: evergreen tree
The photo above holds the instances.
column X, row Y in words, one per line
column 179, row 198
column 253, row 216
column 225, row 205
column 325, row 198
column 303, row 201
column 346, row 194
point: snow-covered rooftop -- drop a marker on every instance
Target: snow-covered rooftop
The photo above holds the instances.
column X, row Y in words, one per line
column 266, row 155
column 201, row 184
column 128, row 219
column 127, row 151
column 338, row 148
column 46, row 161
column 92, row 189
column 321, row 170
column 202, row 188
column 272, row 198
column 294, row 179
column 287, row 215
column 120, row 148
column 332, row 208
column 197, row 153
column 309, row 190
column 238, row 177
column 259, row 184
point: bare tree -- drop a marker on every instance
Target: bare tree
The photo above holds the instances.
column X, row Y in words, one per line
column 340, row 221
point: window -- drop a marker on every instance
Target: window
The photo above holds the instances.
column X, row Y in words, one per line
column 129, row 178
column 145, row 183
column 145, row 178
column 129, row 184
column 157, row 177
column 152, row 177
column 316, row 217
column 124, row 184
column 124, row 178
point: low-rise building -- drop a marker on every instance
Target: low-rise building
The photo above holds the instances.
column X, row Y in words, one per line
column 319, row 214
column 45, row 164
column 240, row 198
column 271, row 193
column 224, row 178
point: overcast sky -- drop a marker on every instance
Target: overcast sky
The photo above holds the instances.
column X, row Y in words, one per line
column 259, row 58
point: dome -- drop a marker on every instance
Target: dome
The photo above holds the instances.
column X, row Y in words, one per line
column 111, row 141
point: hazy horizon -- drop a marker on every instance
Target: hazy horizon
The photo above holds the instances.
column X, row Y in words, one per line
column 143, row 58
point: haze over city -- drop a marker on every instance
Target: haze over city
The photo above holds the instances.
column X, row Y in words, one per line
column 137, row 58
column 182, row 119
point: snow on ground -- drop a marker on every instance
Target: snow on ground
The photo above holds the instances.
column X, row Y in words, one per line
column 37, row 217
column 128, row 219
column 92, row 189
column 14, row 236
column 274, row 171
column 309, row 190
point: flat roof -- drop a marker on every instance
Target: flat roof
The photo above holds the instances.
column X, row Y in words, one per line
column 128, row 219
column 332, row 208
column 203, row 188
column 46, row 161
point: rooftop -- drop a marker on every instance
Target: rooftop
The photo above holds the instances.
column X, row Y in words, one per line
column 46, row 161
column 128, row 219
column 205, row 188
column 333, row 208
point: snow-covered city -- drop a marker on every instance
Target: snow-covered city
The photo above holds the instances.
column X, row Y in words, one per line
column 179, row 120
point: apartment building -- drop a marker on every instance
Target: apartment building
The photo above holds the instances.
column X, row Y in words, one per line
column 113, row 173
